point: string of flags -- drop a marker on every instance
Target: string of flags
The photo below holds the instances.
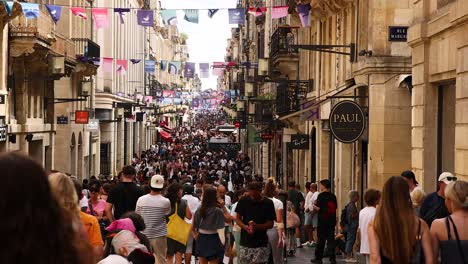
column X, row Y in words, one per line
column 172, row 67
column 145, row 18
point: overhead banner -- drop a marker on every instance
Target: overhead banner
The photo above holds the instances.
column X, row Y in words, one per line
column 30, row 11
column 195, row 103
column 189, row 70
column 257, row 11
column 150, row 66
column 121, row 12
column 169, row 17
column 100, row 17
column 145, row 18
column 304, row 10
column 107, row 64
column 174, row 67
column 168, row 94
column 279, row 12
column 217, row 68
column 204, row 70
column 236, row 16
column 55, row 12
column 122, row 66
column 191, row 15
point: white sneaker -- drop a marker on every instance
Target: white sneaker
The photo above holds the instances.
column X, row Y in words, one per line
column 306, row 244
column 350, row 260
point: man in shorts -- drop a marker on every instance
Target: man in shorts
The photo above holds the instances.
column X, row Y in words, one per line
column 310, row 222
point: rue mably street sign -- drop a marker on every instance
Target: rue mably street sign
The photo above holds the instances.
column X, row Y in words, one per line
column 347, row 121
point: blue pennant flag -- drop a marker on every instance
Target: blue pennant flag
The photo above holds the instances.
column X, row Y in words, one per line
column 30, row 11
column 150, row 66
column 145, row 18
column 191, row 15
column 237, row 16
column 135, row 61
column 212, row 12
column 55, row 12
column 169, row 17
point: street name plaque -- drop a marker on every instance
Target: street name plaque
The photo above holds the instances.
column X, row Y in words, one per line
column 347, row 121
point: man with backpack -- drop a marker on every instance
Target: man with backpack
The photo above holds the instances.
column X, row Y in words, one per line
column 350, row 220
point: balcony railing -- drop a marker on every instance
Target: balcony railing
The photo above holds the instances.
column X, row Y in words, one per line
column 281, row 43
column 39, row 28
column 290, row 94
column 86, row 48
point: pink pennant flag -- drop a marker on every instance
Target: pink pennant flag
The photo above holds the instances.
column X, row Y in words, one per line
column 79, row 12
column 257, row 11
column 100, row 17
column 218, row 68
column 107, row 64
column 122, row 66
column 279, row 12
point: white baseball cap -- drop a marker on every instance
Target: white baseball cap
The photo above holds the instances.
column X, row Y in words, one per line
column 447, row 177
column 157, row 182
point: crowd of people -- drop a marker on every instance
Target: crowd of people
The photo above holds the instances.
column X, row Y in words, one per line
column 182, row 201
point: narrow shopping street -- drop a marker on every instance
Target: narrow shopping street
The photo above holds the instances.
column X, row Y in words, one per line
column 234, row 131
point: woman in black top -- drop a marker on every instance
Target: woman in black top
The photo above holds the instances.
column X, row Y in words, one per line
column 450, row 234
column 174, row 194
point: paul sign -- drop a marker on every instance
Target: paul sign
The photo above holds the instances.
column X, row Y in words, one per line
column 347, row 121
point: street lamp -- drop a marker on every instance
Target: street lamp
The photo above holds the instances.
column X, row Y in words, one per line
column 263, row 67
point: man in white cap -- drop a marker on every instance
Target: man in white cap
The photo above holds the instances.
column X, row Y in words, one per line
column 154, row 207
column 433, row 206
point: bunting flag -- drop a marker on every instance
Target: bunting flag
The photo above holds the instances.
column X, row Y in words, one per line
column 135, row 61
column 257, row 11
column 279, row 12
column 150, row 66
column 55, row 12
column 107, row 64
column 168, row 94
column 121, row 12
column 204, row 70
column 218, row 68
column 174, row 67
column 148, row 99
column 164, row 65
column 8, row 6
column 236, row 16
column 191, row 15
column 145, row 18
column 189, row 70
column 100, row 17
column 30, row 11
column 212, row 12
column 79, row 12
column 195, row 102
column 169, row 17
column 122, row 66
column 304, row 10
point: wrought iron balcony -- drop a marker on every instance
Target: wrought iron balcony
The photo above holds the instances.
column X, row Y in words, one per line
column 290, row 94
column 87, row 52
column 282, row 41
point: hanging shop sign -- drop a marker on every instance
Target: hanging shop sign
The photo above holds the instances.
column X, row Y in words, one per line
column 267, row 136
column 62, row 120
column 397, row 34
column 2, row 99
column 299, row 141
column 347, row 121
column 93, row 125
column 3, row 133
column 81, row 117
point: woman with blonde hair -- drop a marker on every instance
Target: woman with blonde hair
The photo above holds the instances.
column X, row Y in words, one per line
column 450, row 234
column 397, row 235
column 63, row 190
column 275, row 234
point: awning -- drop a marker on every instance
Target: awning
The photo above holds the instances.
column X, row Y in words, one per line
column 166, row 128
column 165, row 136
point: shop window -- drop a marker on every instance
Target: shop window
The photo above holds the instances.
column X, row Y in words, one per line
column 446, row 128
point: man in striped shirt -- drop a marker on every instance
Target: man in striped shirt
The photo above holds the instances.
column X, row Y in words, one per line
column 154, row 207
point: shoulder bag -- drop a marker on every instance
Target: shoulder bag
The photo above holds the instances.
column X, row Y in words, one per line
column 177, row 228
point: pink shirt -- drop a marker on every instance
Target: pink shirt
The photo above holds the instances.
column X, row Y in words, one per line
column 98, row 208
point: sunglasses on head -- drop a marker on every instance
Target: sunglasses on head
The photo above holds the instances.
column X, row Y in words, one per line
column 451, row 178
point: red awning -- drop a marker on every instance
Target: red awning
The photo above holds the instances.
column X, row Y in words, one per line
column 165, row 136
column 168, row 129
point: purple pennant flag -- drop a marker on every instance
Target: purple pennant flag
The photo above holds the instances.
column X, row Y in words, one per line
column 135, row 61
column 145, row 18
column 204, row 70
column 304, row 10
column 121, row 12
column 189, row 70
column 55, row 12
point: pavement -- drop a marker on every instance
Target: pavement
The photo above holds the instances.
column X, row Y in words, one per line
column 304, row 255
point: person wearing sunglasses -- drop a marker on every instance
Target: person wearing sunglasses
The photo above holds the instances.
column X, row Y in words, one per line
column 433, row 206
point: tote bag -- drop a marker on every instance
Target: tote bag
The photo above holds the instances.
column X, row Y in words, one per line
column 177, row 228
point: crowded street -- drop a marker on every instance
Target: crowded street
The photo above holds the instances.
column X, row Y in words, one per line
column 234, row 132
